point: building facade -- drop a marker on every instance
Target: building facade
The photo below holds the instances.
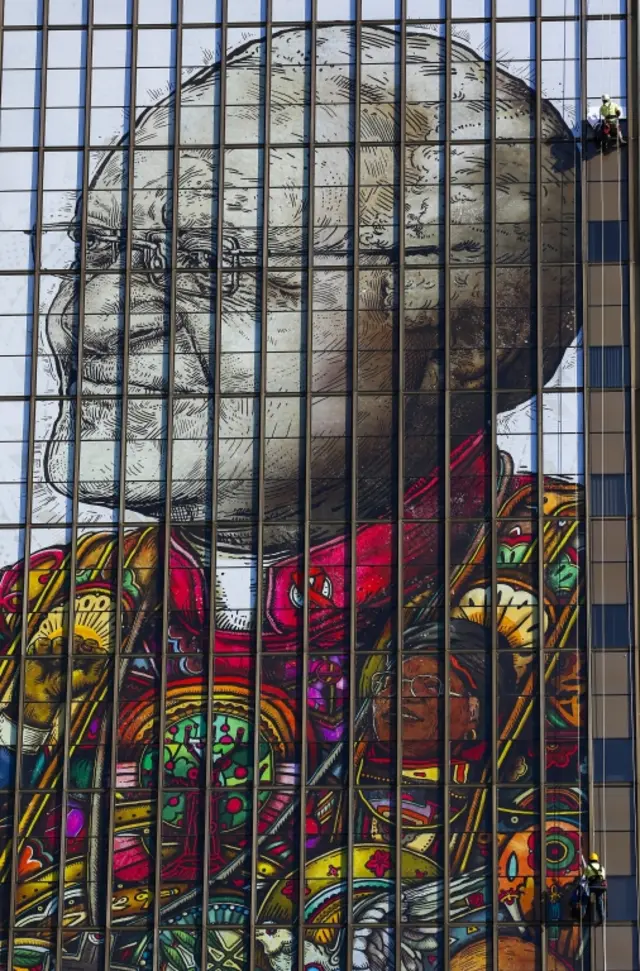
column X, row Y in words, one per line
column 318, row 498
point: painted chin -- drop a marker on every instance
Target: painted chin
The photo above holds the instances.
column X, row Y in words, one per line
column 100, row 471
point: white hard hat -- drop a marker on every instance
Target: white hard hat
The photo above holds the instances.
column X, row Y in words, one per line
column 605, row 97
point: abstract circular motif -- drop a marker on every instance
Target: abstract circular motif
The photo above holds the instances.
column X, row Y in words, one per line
column 372, row 869
column 563, row 851
column 232, row 768
column 232, row 765
column 184, row 744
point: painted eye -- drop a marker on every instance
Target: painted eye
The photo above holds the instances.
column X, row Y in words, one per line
column 96, row 245
column 296, row 597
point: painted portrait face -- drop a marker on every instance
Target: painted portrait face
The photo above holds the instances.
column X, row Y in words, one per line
column 323, row 369
column 423, row 708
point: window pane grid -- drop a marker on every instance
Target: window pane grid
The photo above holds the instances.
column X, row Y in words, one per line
column 315, row 407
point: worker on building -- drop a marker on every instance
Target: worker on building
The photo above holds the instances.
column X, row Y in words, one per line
column 610, row 113
column 596, row 877
column 580, row 897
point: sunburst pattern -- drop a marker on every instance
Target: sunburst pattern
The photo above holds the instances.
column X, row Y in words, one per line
column 517, row 614
column 93, row 628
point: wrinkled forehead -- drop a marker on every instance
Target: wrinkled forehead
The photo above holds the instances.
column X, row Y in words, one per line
column 335, row 85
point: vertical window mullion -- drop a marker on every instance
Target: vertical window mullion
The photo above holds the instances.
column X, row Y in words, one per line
column 540, row 545
column 445, row 464
column 165, row 530
column 303, row 779
column 75, row 499
column 260, row 564
column 493, row 114
column 120, row 648
column 353, row 495
column 584, row 624
column 211, row 666
column 399, row 525
column 9, row 854
column 633, row 219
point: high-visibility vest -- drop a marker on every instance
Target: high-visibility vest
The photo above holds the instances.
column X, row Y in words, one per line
column 609, row 110
column 595, row 872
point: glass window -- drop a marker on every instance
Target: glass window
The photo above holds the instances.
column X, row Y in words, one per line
column 294, row 386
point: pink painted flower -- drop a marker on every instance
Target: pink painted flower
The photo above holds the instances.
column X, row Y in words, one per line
column 379, row 863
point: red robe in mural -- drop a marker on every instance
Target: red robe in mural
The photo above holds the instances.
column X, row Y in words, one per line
column 166, row 704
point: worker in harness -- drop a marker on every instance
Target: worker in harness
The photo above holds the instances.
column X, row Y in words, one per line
column 596, row 878
column 610, row 114
column 580, row 898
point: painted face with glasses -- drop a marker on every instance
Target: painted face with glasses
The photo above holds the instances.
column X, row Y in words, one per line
column 160, row 277
column 423, row 706
column 165, row 254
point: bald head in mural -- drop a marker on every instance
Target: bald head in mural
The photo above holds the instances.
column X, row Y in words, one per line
column 334, row 239
column 171, row 617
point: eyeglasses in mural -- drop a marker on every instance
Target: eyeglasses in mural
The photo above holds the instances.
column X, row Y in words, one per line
column 166, row 765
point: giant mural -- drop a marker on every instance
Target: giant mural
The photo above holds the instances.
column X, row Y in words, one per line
column 183, row 783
